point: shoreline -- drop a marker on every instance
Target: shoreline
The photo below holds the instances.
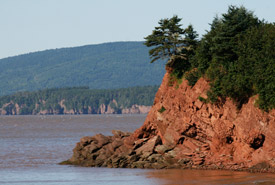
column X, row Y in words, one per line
column 113, row 152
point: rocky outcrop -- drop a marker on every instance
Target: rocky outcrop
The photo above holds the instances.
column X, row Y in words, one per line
column 181, row 131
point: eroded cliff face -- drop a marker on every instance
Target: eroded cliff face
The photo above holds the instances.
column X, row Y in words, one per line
column 15, row 109
column 181, row 131
column 222, row 134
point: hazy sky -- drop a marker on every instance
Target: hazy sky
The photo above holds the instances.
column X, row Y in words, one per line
column 35, row 25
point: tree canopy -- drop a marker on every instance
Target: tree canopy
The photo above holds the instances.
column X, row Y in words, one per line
column 172, row 42
column 236, row 56
column 168, row 39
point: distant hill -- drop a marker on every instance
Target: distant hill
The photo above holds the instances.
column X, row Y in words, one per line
column 102, row 66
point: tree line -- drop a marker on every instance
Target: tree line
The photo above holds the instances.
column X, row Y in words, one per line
column 236, row 56
column 78, row 99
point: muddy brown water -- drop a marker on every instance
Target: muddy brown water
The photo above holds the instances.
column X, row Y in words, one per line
column 31, row 147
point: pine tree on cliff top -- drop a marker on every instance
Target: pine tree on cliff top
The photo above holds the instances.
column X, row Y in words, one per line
column 169, row 40
column 236, row 56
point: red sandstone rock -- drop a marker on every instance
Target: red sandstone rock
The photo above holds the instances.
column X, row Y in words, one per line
column 190, row 133
column 246, row 135
column 149, row 145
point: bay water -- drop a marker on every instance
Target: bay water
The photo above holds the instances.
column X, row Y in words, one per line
column 32, row 146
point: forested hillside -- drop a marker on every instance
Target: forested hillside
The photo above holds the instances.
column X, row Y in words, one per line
column 102, row 66
column 79, row 100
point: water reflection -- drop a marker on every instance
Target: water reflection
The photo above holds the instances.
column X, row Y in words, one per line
column 190, row 177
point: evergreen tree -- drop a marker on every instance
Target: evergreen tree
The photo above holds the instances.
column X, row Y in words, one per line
column 235, row 22
column 217, row 55
column 166, row 40
column 170, row 41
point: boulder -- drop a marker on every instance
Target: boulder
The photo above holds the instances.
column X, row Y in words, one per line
column 149, row 145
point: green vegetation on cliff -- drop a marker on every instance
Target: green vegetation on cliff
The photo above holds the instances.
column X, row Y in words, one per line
column 170, row 41
column 102, row 66
column 237, row 56
column 79, row 100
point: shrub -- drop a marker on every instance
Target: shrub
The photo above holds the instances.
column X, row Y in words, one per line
column 162, row 109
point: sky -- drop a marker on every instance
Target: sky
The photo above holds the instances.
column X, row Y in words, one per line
column 36, row 25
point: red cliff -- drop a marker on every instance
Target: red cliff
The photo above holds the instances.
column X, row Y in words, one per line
column 182, row 131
